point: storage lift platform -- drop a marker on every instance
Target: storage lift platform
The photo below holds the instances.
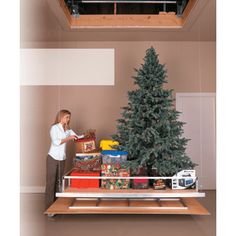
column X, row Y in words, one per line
column 125, row 201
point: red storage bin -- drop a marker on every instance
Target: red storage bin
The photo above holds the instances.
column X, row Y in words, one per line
column 84, row 183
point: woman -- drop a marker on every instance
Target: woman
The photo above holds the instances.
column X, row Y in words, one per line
column 60, row 134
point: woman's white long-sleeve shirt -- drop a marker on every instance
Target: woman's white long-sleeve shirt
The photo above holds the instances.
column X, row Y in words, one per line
column 57, row 133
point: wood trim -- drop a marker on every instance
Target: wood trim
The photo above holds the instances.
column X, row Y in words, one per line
column 190, row 6
column 66, row 11
column 126, row 21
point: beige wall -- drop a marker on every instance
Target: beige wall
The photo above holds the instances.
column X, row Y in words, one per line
column 191, row 68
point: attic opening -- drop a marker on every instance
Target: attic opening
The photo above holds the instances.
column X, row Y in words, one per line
column 126, row 13
column 96, row 7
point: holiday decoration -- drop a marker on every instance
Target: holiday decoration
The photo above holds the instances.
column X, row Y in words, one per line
column 149, row 129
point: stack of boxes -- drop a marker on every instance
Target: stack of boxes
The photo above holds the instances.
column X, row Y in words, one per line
column 106, row 162
column 115, row 170
column 114, row 164
column 87, row 163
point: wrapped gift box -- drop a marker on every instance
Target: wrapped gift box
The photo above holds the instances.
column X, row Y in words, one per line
column 85, row 145
column 140, row 183
column 159, row 184
column 84, row 183
column 117, row 170
column 88, row 161
column 107, row 144
column 113, row 156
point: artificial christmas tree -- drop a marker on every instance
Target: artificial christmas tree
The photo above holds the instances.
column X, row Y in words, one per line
column 149, row 130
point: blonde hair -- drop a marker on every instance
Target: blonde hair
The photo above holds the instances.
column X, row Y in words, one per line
column 60, row 115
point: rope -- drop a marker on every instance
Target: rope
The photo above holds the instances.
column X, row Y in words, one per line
column 200, row 113
column 59, row 108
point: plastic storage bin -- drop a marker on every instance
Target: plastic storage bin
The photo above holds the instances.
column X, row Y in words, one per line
column 84, row 183
column 112, row 156
column 107, row 144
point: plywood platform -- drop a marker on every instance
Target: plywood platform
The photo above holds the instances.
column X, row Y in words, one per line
column 187, row 206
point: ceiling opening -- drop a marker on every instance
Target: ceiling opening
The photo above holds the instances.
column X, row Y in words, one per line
column 89, row 7
column 126, row 13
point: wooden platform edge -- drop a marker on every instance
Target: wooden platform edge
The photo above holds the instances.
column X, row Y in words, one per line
column 61, row 206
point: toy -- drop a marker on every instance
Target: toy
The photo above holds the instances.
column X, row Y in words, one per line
column 185, row 182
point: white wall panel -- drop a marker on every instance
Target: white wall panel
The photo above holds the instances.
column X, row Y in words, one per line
column 198, row 111
column 67, row 66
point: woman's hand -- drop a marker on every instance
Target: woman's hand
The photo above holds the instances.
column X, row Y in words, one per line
column 72, row 137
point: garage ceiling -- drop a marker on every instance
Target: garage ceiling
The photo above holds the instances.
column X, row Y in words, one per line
column 45, row 20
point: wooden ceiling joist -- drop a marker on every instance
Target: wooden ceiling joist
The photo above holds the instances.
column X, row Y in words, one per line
column 161, row 20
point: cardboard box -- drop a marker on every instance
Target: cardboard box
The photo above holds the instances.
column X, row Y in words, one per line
column 85, row 145
column 188, row 182
column 84, row 183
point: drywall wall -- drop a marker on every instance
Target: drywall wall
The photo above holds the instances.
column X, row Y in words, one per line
column 61, row 66
column 191, row 68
